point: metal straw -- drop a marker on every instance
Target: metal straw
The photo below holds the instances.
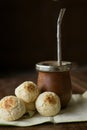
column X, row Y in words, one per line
column 59, row 21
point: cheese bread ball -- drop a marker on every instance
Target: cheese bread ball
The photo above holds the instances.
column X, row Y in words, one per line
column 48, row 104
column 11, row 108
column 27, row 91
column 30, row 106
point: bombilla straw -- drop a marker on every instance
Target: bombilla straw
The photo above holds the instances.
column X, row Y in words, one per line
column 59, row 21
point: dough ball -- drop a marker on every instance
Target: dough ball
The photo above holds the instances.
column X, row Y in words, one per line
column 48, row 104
column 27, row 91
column 11, row 108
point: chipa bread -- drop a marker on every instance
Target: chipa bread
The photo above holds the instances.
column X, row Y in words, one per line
column 27, row 91
column 48, row 104
column 11, row 108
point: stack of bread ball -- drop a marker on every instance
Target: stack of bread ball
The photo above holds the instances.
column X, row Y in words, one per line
column 28, row 98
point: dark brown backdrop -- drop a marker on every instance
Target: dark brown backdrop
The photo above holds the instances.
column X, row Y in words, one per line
column 28, row 32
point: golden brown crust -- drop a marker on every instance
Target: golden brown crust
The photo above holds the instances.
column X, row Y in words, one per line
column 50, row 99
column 9, row 103
column 29, row 87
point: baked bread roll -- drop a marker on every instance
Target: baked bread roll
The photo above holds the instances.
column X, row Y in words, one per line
column 48, row 104
column 11, row 108
column 30, row 106
column 27, row 91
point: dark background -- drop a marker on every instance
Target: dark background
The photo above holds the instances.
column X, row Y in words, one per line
column 28, row 32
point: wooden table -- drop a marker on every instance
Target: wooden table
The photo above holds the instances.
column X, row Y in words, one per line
column 9, row 81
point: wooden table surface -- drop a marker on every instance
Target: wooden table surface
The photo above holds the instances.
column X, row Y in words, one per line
column 9, row 81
